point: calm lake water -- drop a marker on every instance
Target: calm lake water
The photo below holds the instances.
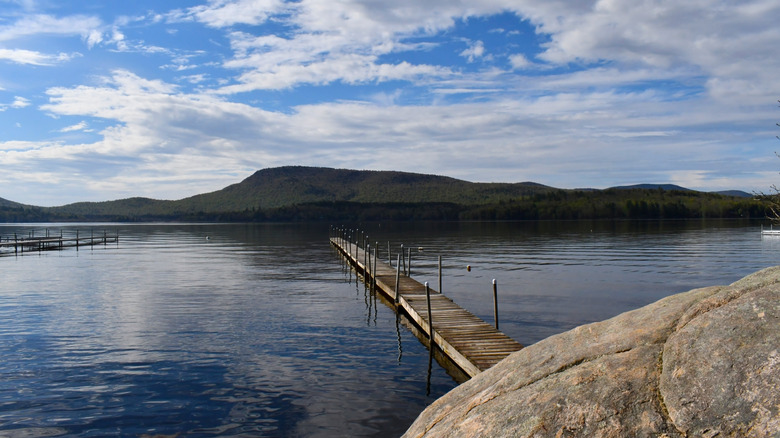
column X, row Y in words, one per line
column 260, row 330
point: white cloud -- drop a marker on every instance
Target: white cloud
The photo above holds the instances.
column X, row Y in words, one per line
column 475, row 50
column 94, row 37
column 224, row 13
column 722, row 41
column 519, row 61
column 48, row 25
column 20, row 102
column 30, row 57
column 77, row 127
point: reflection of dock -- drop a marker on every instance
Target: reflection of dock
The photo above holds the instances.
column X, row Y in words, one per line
column 17, row 245
column 469, row 342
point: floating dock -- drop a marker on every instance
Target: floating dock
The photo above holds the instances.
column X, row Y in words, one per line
column 466, row 340
column 770, row 232
column 17, row 245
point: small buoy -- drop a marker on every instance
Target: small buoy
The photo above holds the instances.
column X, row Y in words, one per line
column 208, row 238
column 420, row 248
column 468, row 268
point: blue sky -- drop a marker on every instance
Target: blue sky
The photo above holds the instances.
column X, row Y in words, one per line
column 108, row 100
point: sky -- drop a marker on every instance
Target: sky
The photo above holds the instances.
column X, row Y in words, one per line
column 110, row 100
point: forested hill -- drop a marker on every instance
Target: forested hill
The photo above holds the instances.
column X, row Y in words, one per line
column 314, row 193
column 285, row 186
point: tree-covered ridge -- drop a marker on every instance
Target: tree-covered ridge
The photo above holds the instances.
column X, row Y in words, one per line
column 310, row 193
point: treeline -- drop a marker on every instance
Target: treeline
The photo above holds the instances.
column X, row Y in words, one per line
column 621, row 204
column 552, row 205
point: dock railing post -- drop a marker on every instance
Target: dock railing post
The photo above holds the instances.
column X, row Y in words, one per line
column 397, row 277
column 430, row 317
column 495, row 302
column 409, row 270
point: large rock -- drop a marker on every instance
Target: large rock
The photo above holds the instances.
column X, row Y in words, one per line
column 701, row 363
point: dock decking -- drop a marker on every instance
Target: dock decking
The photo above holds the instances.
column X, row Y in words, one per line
column 468, row 341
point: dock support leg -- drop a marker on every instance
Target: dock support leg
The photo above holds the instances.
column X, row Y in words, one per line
column 397, row 277
column 495, row 302
column 373, row 269
column 430, row 317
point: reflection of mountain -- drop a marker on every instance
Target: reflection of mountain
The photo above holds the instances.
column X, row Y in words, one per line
column 316, row 193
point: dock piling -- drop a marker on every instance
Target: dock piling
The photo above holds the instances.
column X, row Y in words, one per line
column 403, row 257
column 373, row 268
column 441, row 291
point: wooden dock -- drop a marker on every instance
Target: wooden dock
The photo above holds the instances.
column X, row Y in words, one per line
column 20, row 245
column 466, row 340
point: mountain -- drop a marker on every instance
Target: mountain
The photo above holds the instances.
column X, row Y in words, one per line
column 7, row 203
column 318, row 193
column 288, row 186
column 292, row 185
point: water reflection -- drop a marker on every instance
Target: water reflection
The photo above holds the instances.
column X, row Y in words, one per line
column 251, row 331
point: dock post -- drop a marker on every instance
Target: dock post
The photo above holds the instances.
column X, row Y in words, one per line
column 440, row 288
column 389, row 259
column 409, row 270
column 495, row 302
column 373, row 268
column 397, row 277
column 403, row 257
column 16, row 242
column 77, row 240
column 430, row 317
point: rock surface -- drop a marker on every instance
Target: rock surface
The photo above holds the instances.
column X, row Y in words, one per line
column 704, row 363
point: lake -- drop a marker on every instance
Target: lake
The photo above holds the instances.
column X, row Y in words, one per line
column 261, row 330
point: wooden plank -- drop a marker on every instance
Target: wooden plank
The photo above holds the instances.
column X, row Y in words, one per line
column 468, row 341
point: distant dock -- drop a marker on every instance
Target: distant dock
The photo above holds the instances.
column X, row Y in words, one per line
column 466, row 340
column 770, row 232
column 15, row 245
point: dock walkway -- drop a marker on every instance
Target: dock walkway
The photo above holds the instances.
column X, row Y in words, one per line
column 468, row 341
